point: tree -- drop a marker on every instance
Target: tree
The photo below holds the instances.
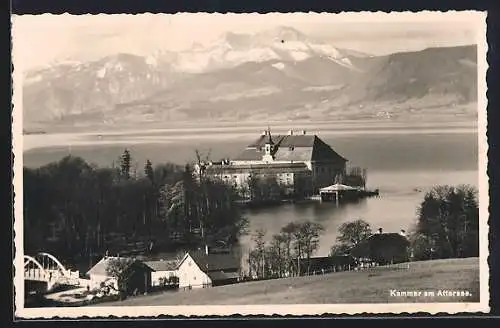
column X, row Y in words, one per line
column 351, row 233
column 420, row 247
column 119, row 268
column 254, row 187
column 125, row 164
column 148, row 170
column 309, row 233
column 306, row 239
column 258, row 261
column 172, row 199
column 287, row 233
column 277, row 254
column 79, row 210
column 274, row 259
column 448, row 217
column 338, row 250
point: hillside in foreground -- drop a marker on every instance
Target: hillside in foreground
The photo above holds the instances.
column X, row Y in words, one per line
column 369, row 286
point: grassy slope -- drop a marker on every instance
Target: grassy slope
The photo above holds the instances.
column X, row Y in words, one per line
column 370, row 286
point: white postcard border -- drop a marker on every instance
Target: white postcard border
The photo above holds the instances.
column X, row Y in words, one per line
column 292, row 309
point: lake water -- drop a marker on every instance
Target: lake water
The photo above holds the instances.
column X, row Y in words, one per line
column 399, row 162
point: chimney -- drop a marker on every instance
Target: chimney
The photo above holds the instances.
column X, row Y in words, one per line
column 206, row 249
column 290, row 132
column 380, row 230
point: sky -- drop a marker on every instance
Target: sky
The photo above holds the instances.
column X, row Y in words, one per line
column 43, row 39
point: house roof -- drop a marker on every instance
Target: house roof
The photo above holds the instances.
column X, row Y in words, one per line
column 213, row 262
column 220, row 275
column 379, row 240
column 387, row 236
column 337, row 187
column 102, row 265
column 291, row 148
column 161, row 265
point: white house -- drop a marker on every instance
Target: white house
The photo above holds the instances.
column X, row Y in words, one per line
column 201, row 269
column 98, row 274
column 137, row 273
column 161, row 269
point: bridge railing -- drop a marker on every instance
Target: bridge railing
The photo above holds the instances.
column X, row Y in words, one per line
column 46, row 267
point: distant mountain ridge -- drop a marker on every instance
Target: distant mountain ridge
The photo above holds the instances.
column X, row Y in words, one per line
column 279, row 74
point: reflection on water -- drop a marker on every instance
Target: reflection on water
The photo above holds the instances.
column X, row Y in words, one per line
column 394, row 210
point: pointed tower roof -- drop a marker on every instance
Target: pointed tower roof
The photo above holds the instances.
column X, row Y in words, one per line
column 269, row 138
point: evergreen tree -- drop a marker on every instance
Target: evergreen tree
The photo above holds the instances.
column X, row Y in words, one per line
column 448, row 218
column 148, row 170
column 125, row 164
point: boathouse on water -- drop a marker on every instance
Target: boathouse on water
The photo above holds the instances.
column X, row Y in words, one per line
column 340, row 193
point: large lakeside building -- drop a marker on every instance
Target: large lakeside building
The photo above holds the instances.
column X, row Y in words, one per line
column 300, row 162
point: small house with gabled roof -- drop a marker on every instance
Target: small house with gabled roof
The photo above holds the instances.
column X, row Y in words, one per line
column 162, row 271
column 138, row 275
column 302, row 162
column 383, row 248
column 202, row 269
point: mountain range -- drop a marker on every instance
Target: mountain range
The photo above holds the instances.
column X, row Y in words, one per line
column 280, row 74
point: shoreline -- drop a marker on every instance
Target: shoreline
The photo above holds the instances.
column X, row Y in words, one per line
column 30, row 142
column 207, row 125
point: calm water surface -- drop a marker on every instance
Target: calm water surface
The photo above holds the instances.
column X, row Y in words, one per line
column 397, row 163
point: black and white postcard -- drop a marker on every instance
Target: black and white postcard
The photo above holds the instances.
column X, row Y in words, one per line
column 215, row 164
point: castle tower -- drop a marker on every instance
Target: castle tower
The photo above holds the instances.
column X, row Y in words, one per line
column 268, row 147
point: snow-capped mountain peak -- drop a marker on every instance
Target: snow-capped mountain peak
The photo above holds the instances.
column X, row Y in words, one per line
column 232, row 49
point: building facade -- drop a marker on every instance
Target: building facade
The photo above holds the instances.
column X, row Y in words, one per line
column 202, row 270
column 138, row 274
column 161, row 271
column 299, row 162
